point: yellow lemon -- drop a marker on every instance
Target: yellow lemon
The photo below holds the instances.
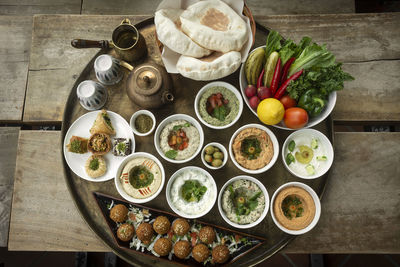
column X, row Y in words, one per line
column 270, row 111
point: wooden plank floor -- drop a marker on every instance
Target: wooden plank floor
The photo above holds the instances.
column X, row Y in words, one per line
column 54, row 64
column 31, row 7
column 8, row 155
column 258, row 7
column 344, row 226
column 15, row 42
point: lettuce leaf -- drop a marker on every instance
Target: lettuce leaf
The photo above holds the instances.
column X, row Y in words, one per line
column 273, row 43
column 313, row 56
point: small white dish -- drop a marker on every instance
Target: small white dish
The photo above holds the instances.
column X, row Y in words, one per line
column 135, row 115
column 274, row 142
column 264, row 191
column 228, row 86
column 311, row 121
column 121, row 166
column 81, row 128
column 309, row 134
column 170, row 119
column 220, row 147
column 213, row 193
column 317, row 208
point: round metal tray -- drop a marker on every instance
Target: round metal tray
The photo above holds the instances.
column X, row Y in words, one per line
column 184, row 91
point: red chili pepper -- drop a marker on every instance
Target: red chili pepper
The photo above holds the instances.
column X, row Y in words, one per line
column 260, row 79
column 276, row 78
column 286, row 69
column 281, row 91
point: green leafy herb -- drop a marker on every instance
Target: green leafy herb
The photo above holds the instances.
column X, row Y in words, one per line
column 121, row 146
column 76, row 146
column 193, row 191
column 178, row 127
column 220, row 113
column 140, row 176
column 94, row 164
column 273, row 43
column 289, row 158
column 251, row 148
column 292, row 207
column 171, row 154
column 243, row 203
column 291, row 146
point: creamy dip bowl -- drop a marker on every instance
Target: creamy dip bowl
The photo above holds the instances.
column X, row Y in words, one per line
column 234, row 106
column 127, row 180
column 186, row 130
column 307, row 154
column 251, row 190
column 179, row 192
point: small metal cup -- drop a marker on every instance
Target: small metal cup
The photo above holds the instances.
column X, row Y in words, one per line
column 128, row 43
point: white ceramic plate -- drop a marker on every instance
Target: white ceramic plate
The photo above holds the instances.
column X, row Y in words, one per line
column 81, row 128
column 311, row 122
column 121, row 166
column 228, row 86
column 263, row 189
column 273, row 140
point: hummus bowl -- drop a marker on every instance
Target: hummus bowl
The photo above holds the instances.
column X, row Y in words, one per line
column 312, row 121
column 179, row 125
column 300, row 203
column 234, row 104
column 258, row 138
column 140, row 177
column 251, row 187
column 307, row 154
column 180, row 196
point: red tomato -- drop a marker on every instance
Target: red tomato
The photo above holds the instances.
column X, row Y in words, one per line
column 295, row 118
column 288, row 102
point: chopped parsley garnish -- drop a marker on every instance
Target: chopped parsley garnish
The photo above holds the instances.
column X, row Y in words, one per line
column 193, row 191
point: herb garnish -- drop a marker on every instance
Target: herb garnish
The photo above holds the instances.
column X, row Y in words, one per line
column 292, row 207
column 193, row 191
column 243, row 203
column 289, row 158
column 220, row 113
column 251, row 148
column 121, row 147
column 94, row 164
column 171, row 154
column 291, row 146
column 140, row 176
column 180, row 126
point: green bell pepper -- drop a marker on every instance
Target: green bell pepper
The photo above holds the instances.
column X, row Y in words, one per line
column 313, row 102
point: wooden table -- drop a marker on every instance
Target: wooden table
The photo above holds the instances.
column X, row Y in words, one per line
column 360, row 207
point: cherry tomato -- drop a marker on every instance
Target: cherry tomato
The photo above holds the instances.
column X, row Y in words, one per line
column 295, row 118
column 288, row 102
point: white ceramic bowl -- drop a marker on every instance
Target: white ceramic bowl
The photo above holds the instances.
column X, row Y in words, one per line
column 170, row 119
column 171, row 181
column 118, row 184
column 135, row 115
column 311, row 122
column 220, row 147
column 274, row 142
column 323, row 141
column 228, row 86
column 263, row 189
column 317, row 208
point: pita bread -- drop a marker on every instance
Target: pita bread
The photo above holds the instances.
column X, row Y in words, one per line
column 167, row 24
column 214, row 66
column 214, row 25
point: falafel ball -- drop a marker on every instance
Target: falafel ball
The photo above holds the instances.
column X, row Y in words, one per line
column 200, row 252
column 220, row 254
column 161, row 225
column 125, row 232
column 163, row 246
column 180, row 226
column 182, row 249
column 119, row 213
column 207, row 235
column 144, row 232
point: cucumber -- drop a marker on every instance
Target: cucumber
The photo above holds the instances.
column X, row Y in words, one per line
column 270, row 68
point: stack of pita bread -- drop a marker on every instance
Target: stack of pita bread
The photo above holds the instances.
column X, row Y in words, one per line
column 209, row 36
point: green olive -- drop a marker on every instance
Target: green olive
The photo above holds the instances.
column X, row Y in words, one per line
column 210, row 150
column 216, row 163
column 208, row 158
column 218, row 155
column 216, row 149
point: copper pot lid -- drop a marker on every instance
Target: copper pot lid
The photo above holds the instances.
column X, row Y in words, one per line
column 146, row 79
